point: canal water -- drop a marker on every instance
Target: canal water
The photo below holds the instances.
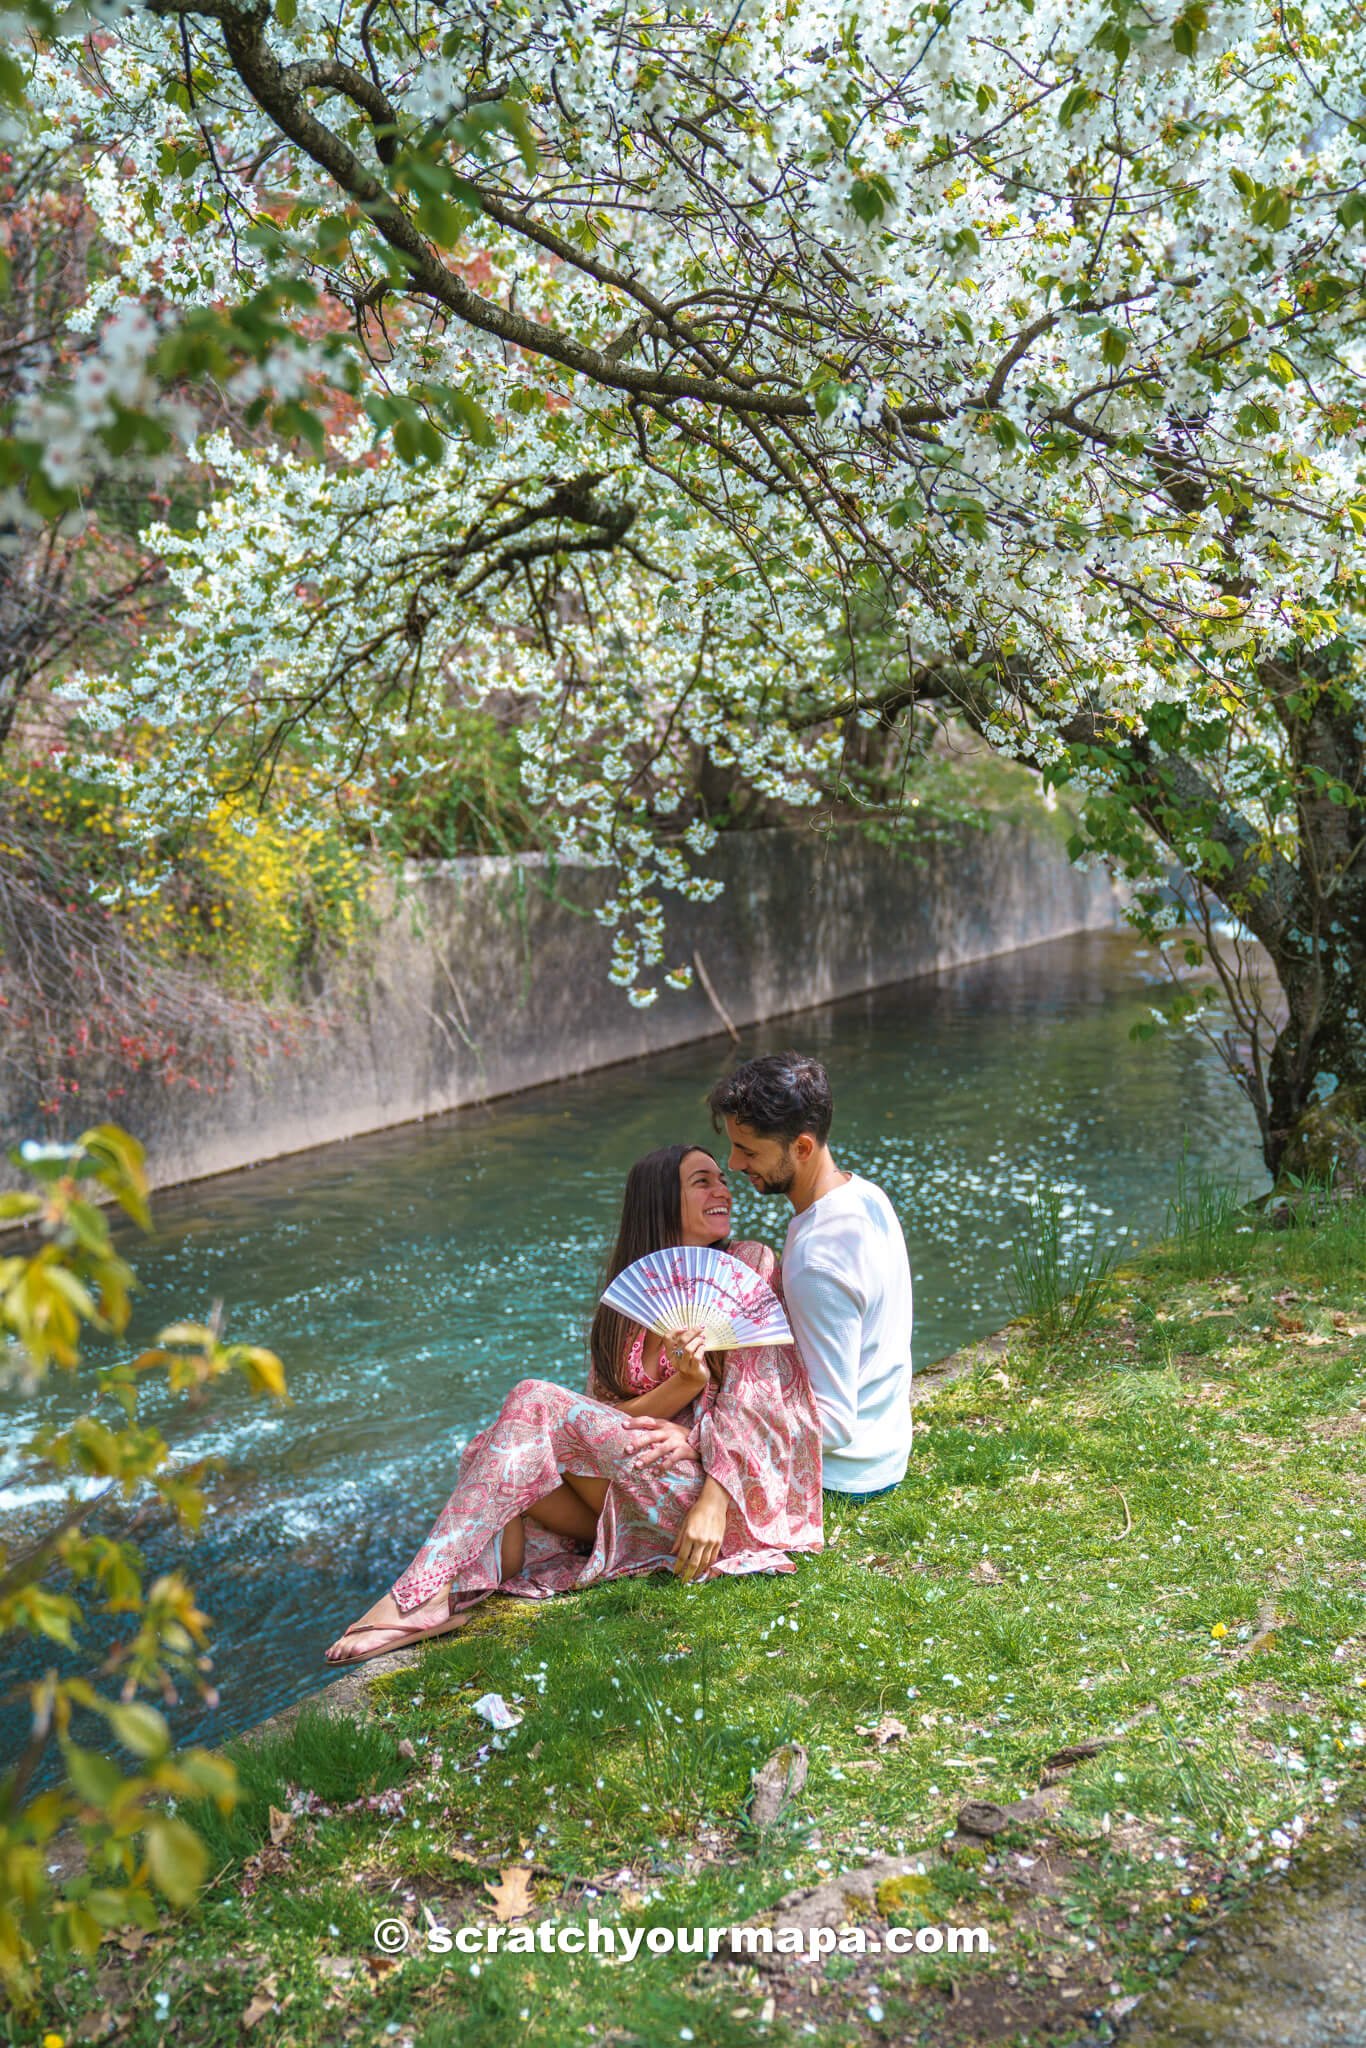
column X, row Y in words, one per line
column 409, row 1278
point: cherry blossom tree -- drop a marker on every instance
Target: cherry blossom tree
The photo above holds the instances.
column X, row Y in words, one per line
column 1028, row 337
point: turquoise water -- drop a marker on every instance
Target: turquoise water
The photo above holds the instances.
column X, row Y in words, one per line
column 408, row 1279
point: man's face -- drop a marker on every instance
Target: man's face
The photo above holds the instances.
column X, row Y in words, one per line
column 768, row 1164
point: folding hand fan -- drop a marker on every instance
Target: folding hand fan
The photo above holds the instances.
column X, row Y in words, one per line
column 688, row 1286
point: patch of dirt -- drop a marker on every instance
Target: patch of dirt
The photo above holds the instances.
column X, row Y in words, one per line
column 1263, row 1698
column 1043, row 1988
column 1331, row 1428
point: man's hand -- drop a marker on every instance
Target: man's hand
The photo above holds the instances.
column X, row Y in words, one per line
column 660, row 1442
column 700, row 1538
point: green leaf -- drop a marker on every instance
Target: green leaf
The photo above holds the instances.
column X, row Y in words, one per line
column 93, row 1777
column 262, row 1368
column 871, row 197
column 1114, row 346
column 1077, row 99
column 176, row 1858
column 473, row 419
column 139, row 1727
column 295, row 418
column 13, row 83
column 441, row 220
column 417, row 440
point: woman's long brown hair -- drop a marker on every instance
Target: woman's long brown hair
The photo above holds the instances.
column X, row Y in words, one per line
column 651, row 1217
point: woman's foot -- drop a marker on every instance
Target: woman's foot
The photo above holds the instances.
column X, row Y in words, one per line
column 383, row 1627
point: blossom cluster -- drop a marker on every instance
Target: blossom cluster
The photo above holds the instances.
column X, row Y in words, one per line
column 1038, row 329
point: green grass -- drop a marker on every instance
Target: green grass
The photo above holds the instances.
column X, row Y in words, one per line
column 1057, row 1277
column 1204, row 1218
column 338, row 1759
column 1080, row 1517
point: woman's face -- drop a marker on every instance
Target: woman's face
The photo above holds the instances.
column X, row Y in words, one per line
column 706, row 1199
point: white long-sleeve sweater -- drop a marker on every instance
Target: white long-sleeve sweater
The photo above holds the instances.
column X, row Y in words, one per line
column 846, row 1280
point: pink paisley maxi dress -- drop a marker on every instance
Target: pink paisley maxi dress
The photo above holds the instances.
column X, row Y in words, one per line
column 757, row 1434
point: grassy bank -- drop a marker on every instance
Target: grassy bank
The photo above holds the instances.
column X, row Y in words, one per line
column 1125, row 1572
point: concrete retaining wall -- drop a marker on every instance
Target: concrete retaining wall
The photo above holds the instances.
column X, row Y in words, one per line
column 490, row 976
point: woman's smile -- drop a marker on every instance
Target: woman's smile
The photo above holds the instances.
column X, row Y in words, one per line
column 704, row 1199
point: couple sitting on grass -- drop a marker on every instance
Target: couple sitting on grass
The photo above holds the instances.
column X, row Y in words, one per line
column 674, row 1459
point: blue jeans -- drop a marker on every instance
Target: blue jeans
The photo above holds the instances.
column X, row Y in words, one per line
column 834, row 1493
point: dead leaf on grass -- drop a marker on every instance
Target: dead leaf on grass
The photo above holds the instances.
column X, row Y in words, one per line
column 257, row 2010
column 269, row 1861
column 888, row 1729
column 97, row 2026
column 511, row 1895
column 280, row 1825
column 985, row 1573
column 780, row 1778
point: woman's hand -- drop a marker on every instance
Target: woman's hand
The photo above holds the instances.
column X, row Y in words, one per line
column 703, row 1532
column 686, row 1352
column 660, row 1442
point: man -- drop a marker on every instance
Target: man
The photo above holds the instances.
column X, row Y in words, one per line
column 846, row 1278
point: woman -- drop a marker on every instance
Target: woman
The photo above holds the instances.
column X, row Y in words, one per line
column 557, row 1492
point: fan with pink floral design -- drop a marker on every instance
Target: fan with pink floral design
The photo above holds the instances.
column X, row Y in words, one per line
column 691, row 1287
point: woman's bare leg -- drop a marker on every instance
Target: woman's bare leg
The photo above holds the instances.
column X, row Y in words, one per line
column 571, row 1510
column 592, row 1492
column 566, row 1511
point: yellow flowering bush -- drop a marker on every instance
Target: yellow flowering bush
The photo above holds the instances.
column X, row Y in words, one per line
column 256, row 898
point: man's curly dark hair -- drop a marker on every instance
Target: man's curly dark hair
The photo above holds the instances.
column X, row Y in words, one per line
column 780, row 1095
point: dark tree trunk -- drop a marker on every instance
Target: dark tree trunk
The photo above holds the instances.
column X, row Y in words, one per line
column 1320, row 953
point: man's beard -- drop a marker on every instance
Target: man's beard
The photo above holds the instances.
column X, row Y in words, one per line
column 773, row 1186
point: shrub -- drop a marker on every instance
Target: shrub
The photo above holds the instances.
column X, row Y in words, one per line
column 256, row 899
column 469, row 797
column 64, row 1277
